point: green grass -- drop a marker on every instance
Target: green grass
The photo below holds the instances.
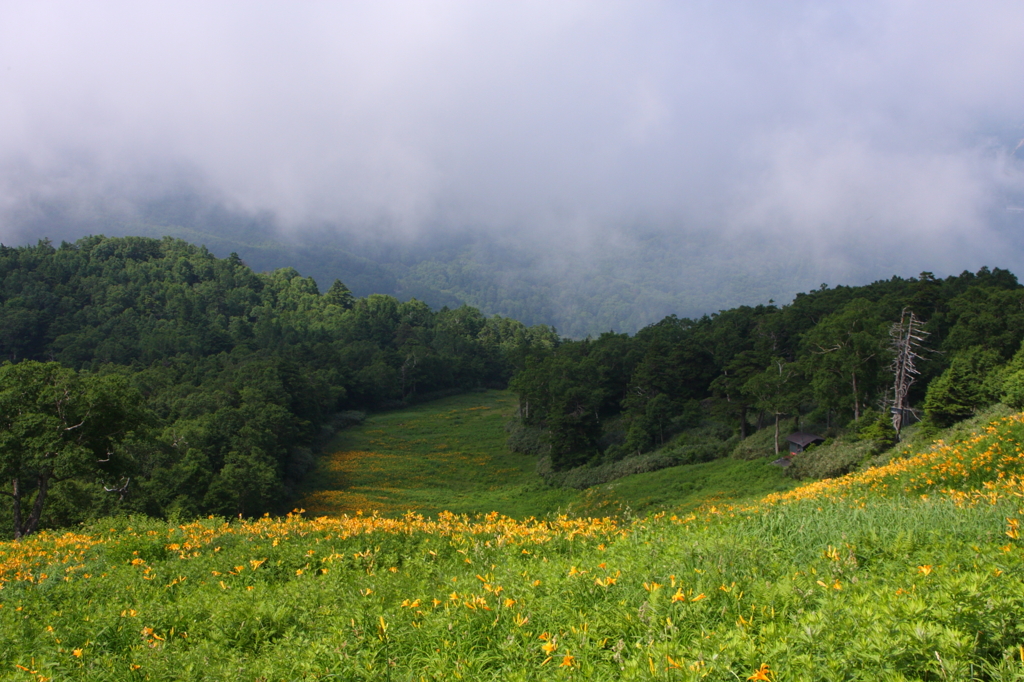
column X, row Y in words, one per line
column 450, row 455
column 883, row 577
column 683, row 488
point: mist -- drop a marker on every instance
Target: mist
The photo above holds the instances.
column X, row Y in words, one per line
column 773, row 147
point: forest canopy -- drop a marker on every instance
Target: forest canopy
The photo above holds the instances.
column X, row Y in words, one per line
column 826, row 359
column 219, row 385
column 239, row 376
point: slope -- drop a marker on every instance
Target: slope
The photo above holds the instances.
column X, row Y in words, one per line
column 915, row 572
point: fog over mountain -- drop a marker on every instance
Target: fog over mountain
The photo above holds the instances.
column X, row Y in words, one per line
column 614, row 161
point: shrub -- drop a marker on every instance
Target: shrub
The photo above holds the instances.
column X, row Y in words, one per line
column 762, row 443
column 692, row 447
column 526, row 440
column 830, row 459
column 879, row 432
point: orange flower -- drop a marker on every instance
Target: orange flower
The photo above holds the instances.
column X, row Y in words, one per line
column 761, row 673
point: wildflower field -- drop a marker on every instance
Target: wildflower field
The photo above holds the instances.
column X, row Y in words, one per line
column 912, row 571
column 450, row 455
column 446, row 455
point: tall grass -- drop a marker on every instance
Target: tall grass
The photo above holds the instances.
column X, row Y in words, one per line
column 449, row 454
column 913, row 572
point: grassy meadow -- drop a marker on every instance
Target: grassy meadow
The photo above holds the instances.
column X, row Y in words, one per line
column 909, row 571
column 450, row 455
column 446, row 455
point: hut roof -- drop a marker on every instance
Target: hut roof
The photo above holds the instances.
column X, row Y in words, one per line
column 804, row 439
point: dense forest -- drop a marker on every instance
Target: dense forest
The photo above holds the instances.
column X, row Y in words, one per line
column 147, row 375
column 180, row 384
column 824, row 360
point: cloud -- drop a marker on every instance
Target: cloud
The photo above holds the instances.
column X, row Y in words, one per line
column 819, row 129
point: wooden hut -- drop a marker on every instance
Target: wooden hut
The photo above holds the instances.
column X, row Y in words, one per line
column 799, row 441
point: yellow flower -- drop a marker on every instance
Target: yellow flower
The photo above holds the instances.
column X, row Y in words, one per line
column 925, row 570
column 549, row 647
column 77, row 653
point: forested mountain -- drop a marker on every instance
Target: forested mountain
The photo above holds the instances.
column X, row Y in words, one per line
column 826, row 357
column 615, row 281
column 149, row 375
column 237, row 374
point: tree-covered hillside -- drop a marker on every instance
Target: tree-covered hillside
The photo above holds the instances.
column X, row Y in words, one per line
column 239, row 375
column 151, row 376
column 825, row 360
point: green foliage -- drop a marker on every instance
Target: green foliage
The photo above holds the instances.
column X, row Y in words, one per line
column 974, row 380
column 1012, row 392
column 57, row 425
column 241, row 371
column 848, row 348
column 827, row 354
column 830, row 459
column 778, row 391
column 879, row 431
column 244, row 373
column 670, row 456
column 526, row 440
column 762, row 443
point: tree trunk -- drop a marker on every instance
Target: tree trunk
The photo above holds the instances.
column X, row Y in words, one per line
column 37, row 508
column 856, row 399
column 743, row 421
column 16, row 494
column 777, row 415
column 32, row 523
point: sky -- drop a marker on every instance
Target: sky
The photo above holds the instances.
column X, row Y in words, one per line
column 843, row 133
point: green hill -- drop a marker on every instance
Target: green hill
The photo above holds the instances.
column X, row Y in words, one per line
column 911, row 571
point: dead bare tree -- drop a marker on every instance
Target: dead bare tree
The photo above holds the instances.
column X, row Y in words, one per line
column 907, row 337
column 122, row 490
